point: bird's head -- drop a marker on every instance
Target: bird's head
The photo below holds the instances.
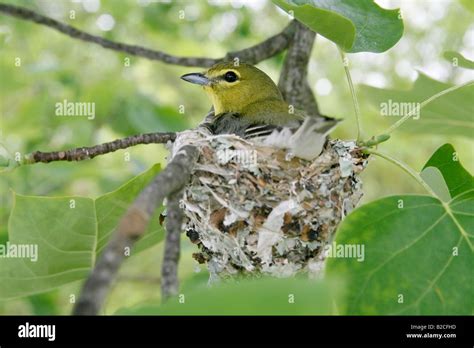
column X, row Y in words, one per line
column 233, row 87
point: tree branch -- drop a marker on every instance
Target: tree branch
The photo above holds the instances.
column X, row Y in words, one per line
column 266, row 49
column 169, row 269
column 254, row 54
column 132, row 225
column 84, row 153
column 293, row 81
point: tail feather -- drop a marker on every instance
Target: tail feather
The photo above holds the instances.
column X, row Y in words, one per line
column 307, row 141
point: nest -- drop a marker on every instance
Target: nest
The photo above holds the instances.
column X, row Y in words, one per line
column 251, row 209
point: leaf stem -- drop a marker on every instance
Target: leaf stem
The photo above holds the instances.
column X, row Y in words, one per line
column 404, row 167
column 423, row 104
column 353, row 93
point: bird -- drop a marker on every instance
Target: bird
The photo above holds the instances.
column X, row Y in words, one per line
column 246, row 102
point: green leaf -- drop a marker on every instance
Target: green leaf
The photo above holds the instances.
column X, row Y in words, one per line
column 418, row 251
column 250, row 297
column 68, row 234
column 434, row 178
column 450, row 114
column 457, row 59
column 331, row 25
column 458, row 179
column 468, row 4
column 356, row 26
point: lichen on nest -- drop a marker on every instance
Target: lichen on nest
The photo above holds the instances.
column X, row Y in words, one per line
column 252, row 209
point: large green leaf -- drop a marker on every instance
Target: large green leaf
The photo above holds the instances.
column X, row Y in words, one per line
column 356, row 26
column 69, row 233
column 450, row 114
column 418, row 251
column 250, row 297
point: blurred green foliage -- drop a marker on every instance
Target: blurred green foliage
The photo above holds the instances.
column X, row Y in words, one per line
column 146, row 96
column 265, row 296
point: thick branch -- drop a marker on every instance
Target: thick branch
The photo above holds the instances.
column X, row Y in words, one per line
column 97, row 284
column 169, row 269
column 132, row 225
column 293, row 81
column 255, row 54
column 84, row 153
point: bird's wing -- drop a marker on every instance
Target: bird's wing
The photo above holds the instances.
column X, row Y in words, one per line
column 259, row 130
column 303, row 138
column 234, row 123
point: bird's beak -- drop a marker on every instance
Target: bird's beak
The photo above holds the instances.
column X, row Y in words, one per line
column 197, row 78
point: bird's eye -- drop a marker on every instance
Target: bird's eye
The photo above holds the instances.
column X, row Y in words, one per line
column 230, row 76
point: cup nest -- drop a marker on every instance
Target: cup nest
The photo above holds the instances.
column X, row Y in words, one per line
column 252, row 209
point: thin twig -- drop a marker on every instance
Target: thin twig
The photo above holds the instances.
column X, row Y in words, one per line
column 169, row 269
column 255, row 54
column 24, row 13
column 84, row 153
column 131, row 227
column 355, row 101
